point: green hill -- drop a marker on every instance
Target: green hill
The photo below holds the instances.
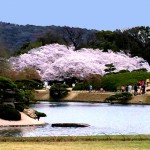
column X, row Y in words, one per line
column 21, row 38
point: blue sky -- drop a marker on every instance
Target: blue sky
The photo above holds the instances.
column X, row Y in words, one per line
column 90, row 14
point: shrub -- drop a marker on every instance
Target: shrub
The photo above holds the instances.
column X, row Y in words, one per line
column 123, row 97
column 20, row 107
column 93, row 79
column 21, row 92
column 115, row 81
column 81, row 86
column 28, row 95
column 9, row 113
column 40, row 114
column 123, row 71
column 7, row 88
column 24, row 96
column 19, row 96
column 58, row 91
column 142, row 69
column 6, row 83
column 28, row 84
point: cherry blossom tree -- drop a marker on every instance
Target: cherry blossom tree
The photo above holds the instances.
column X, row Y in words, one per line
column 56, row 62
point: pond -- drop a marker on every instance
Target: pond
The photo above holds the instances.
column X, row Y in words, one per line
column 102, row 118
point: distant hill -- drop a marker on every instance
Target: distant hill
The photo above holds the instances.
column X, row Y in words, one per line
column 21, row 38
column 13, row 36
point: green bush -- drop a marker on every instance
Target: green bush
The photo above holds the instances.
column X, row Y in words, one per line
column 9, row 113
column 123, row 97
column 24, row 95
column 142, row 69
column 7, row 89
column 93, row 79
column 28, row 84
column 123, row 71
column 20, row 106
column 40, row 114
column 58, row 91
column 81, row 86
column 23, row 89
column 6, row 83
column 19, row 96
column 115, row 81
column 28, row 95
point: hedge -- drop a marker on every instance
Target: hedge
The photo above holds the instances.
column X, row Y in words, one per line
column 7, row 112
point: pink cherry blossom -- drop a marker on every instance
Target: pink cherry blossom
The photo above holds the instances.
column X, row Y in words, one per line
column 55, row 62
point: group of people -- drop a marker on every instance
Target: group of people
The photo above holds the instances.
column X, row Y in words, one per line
column 91, row 89
column 126, row 88
column 138, row 89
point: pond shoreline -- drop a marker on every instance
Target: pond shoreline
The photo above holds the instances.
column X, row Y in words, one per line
column 93, row 97
column 80, row 101
column 136, row 100
column 25, row 121
column 101, row 96
column 84, row 97
column 94, row 102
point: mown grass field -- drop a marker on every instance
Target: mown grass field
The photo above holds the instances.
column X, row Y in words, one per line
column 77, row 145
column 109, row 142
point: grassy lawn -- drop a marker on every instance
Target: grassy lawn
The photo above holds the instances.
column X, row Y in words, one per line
column 77, row 145
column 116, row 142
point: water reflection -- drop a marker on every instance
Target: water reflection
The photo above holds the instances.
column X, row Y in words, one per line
column 58, row 104
column 102, row 118
column 16, row 131
column 10, row 132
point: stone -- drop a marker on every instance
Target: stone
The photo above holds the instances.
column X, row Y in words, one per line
column 30, row 112
column 69, row 125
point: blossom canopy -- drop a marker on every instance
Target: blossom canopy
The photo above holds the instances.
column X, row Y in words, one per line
column 56, row 62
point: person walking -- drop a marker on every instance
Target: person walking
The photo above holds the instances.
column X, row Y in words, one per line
column 130, row 88
column 90, row 88
column 135, row 89
column 143, row 89
column 123, row 88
